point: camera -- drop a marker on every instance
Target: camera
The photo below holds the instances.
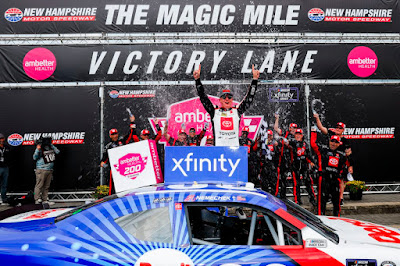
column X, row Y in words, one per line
column 45, row 142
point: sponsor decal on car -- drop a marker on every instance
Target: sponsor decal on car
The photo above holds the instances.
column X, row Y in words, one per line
column 178, row 206
column 316, row 243
column 162, row 255
column 369, row 133
column 15, row 139
column 162, row 200
column 372, row 15
column 32, row 14
column 360, row 262
column 35, row 215
column 39, row 63
column 57, row 137
column 132, row 93
column 377, row 232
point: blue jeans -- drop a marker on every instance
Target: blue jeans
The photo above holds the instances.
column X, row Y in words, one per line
column 3, row 182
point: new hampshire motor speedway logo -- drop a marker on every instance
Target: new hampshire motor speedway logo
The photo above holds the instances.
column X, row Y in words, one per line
column 373, row 15
column 316, row 14
column 13, row 14
column 132, row 93
column 113, row 94
column 15, row 139
column 51, row 14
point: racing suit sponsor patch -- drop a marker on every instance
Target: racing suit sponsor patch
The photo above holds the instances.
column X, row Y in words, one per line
column 226, row 123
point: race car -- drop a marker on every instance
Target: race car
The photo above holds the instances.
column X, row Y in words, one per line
column 196, row 224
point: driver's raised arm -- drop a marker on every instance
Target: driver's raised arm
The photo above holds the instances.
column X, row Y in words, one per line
column 251, row 92
column 203, row 96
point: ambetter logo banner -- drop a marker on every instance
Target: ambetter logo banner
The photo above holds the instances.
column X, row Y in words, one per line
column 135, row 165
column 192, row 114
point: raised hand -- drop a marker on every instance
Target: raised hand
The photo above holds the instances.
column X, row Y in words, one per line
column 196, row 73
column 256, row 73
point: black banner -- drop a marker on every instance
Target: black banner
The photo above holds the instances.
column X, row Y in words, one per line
column 370, row 114
column 177, row 62
column 70, row 116
column 123, row 16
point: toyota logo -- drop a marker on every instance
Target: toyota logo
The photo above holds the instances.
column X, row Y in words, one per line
column 227, row 123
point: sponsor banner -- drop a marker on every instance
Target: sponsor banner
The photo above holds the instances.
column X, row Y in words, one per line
column 16, row 139
column 84, row 16
column 370, row 113
column 70, row 116
column 135, row 165
column 205, row 164
column 160, row 62
column 369, row 133
column 190, row 113
column 132, row 93
column 284, row 94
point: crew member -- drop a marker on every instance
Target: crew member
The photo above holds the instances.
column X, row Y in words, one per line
column 251, row 155
column 4, row 170
column 181, row 140
column 301, row 163
column 268, row 164
column 226, row 118
column 330, row 163
column 285, row 155
column 289, row 134
column 284, row 165
column 116, row 141
column 145, row 133
column 193, row 139
column 209, row 140
column 344, row 147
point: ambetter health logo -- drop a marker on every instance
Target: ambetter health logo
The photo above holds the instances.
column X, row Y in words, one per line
column 362, row 61
column 39, row 63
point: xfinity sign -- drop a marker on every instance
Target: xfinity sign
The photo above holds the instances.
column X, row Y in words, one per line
column 205, row 164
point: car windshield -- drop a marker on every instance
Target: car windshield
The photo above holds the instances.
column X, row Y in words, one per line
column 311, row 220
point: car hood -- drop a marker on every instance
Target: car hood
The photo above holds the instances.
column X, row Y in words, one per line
column 350, row 230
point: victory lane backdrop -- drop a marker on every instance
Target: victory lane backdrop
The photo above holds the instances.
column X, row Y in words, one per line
column 116, row 16
column 362, row 109
column 166, row 62
column 53, row 110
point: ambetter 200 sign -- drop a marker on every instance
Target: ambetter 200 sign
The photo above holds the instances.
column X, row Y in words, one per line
column 135, row 165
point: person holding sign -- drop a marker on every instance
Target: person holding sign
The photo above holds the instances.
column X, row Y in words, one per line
column 226, row 118
column 45, row 155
